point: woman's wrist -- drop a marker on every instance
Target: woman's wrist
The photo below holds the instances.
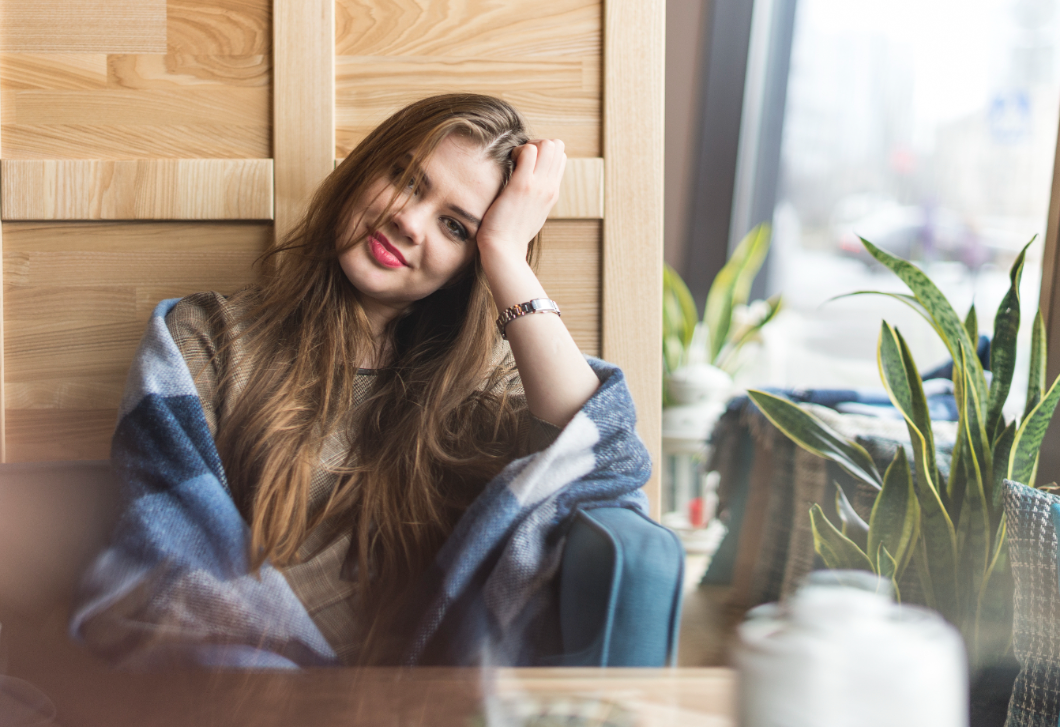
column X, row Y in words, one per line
column 512, row 281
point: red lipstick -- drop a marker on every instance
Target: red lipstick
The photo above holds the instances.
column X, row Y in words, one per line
column 385, row 253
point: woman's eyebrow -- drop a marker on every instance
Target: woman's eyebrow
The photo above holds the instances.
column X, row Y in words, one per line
column 424, row 180
column 465, row 214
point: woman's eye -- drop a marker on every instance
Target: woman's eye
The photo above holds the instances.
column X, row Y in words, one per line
column 454, row 228
column 397, row 173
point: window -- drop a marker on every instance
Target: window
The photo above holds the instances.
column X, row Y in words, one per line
column 928, row 127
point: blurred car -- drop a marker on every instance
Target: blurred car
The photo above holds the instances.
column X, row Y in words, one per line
column 913, row 232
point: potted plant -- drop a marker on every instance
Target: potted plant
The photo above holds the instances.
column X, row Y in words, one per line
column 700, row 358
column 952, row 529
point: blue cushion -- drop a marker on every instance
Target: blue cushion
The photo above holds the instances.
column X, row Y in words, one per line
column 620, row 591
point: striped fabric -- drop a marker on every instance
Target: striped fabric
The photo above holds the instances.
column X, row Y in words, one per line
column 1032, row 545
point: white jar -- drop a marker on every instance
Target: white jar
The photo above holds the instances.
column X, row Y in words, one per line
column 845, row 655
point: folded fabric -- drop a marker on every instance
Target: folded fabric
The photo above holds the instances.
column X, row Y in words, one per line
column 174, row 586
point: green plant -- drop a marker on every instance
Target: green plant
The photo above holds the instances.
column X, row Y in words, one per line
column 952, row 529
column 726, row 303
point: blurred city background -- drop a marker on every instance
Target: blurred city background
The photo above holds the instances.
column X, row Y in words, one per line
column 928, row 127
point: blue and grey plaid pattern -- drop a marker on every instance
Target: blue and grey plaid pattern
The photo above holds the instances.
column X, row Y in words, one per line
column 174, row 586
column 1032, row 545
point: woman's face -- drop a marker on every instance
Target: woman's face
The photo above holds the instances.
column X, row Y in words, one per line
column 430, row 234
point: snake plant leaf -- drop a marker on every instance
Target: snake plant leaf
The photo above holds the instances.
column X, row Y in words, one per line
column 679, row 307
column 887, row 567
column 948, row 324
column 1002, row 450
column 757, row 242
column 994, row 607
column 975, row 430
column 939, row 538
column 895, row 519
column 971, row 324
column 732, row 285
column 1023, row 459
column 905, row 298
column 1003, row 345
column 854, row 527
column 923, row 572
column 1000, row 546
column 955, row 485
column 1036, row 375
column 733, row 347
column 815, row 436
column 836, row 550
column 906, row 391
column 973, row 526
column 673, row 352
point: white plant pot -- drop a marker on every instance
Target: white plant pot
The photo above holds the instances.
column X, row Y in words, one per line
column 699, row 382
column 701, row 392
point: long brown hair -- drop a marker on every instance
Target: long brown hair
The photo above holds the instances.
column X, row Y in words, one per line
column 430, row 435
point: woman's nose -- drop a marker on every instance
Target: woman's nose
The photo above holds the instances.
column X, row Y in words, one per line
column 411, row 220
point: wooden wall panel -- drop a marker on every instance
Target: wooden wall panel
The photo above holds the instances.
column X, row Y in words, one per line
column 137, row 189
column 543, row 58
column 53, row 72
column 568, row 265
column 77, row 298
column 220, row 27
column 205, row 94
column 633, row 209
column 582, row 193
column 178, row 70
column 445, row 28
column 85, row 26
column 304, row 104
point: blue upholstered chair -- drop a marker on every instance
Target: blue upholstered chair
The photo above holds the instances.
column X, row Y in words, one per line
column 620, row 591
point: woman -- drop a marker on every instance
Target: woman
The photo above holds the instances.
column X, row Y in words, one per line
column 361, row 395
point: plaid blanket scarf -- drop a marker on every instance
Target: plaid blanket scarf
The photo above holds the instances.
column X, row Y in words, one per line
column 174, row 586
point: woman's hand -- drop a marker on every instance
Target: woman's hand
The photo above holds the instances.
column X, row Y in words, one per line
column 520, row 210
column 555, row 376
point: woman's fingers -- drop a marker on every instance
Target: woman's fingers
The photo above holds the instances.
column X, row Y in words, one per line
column 540, row 163
column 523, row 205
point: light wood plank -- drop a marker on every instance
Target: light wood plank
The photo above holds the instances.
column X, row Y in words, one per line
column 560, row 97
column 84, row 26
column 7, row 106
column 179, row 70
column 240, row 106
column 191, row 238
column 74, row 393
column 582, row 193
column 568, row 265
column 71, row 141
column 303, row 103
column 634, row 33
column 468, row 28
column 38, row 435
column 220, row 27
column 139, row 189
column 78, row 296
column 53, row 72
